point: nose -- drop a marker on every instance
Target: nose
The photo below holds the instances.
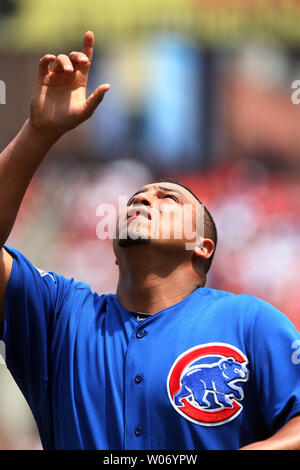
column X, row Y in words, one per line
column 142, row 199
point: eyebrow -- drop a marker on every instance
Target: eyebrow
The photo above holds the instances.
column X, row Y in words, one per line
column 161, row 188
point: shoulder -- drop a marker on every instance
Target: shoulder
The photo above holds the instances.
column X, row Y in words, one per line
column 245, row 305
column 230, row 299
column 42, row 279
column 234, row 299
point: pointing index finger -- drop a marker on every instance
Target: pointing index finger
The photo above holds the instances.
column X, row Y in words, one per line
column 88, row 44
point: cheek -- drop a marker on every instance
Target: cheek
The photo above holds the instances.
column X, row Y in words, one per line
column 170, row 218
column 189, row 223
column 172, row 223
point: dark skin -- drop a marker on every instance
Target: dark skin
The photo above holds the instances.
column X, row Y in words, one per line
column 147, row 282
column 159, row 273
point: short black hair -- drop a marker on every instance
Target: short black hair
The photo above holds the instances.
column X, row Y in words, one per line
column 210, row 229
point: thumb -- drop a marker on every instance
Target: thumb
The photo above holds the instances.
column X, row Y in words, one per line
column 95, row 98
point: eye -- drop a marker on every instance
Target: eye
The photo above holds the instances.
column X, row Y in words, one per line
column 170, row 196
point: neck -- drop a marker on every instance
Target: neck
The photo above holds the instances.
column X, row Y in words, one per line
column 150, row 282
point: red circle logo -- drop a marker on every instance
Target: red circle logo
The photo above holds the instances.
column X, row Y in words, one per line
column 205, row 383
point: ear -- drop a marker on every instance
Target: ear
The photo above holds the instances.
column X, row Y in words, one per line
column 116, row 262
column 204, row 248
column 223, row 364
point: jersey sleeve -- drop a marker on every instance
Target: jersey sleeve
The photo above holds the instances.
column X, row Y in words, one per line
column 276, row 371
column 32, row 303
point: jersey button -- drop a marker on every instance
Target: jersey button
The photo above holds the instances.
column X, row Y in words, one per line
column 141, row 334
column 138, row 431
column 138, row 378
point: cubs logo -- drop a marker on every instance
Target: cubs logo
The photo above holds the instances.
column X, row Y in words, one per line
column 203, row 383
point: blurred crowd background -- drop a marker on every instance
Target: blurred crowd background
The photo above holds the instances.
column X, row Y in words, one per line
column 200, row 91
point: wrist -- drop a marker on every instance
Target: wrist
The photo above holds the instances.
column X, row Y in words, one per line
column 46, row 136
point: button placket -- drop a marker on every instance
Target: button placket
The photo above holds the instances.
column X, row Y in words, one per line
column 138, row 431
column 138, row 378
column 141, row 334
column 136, row 411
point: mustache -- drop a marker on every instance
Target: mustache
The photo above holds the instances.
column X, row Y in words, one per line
column 139, row 210
column 127, row 242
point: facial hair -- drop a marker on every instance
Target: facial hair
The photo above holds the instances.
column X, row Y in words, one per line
column 126, row 242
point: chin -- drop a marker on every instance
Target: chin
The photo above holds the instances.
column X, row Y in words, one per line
column 126, row 242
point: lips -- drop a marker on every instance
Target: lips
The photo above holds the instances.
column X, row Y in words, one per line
column 138, row 211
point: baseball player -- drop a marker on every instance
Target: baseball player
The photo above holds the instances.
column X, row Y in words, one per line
column 164, row 363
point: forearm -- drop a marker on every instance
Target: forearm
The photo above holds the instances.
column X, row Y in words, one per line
column 18, row 163
column 287, row 438
column 59, row 104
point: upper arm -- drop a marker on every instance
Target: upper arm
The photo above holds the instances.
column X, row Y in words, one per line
column 273, row 337
column 6, row 262
column 34, row 301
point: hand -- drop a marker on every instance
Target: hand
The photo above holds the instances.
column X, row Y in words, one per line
column 59, row 100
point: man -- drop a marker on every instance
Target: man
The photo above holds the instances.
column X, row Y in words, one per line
column 165, row 363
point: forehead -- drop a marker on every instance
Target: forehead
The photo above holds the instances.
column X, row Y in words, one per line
column 172, row 187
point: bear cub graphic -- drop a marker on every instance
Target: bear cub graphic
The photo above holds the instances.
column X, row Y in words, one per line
column 219, row 378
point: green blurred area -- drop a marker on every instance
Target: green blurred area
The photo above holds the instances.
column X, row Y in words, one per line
column 54, row 23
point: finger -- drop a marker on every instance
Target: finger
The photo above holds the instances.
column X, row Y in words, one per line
column 88, row 44
column 78, row 58
column 62, row 64
column 95, row 98
column 44, row 64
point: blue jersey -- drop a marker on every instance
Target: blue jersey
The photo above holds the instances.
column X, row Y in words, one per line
column 214, row 371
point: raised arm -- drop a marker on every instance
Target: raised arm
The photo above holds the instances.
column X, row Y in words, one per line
column 59, row 104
